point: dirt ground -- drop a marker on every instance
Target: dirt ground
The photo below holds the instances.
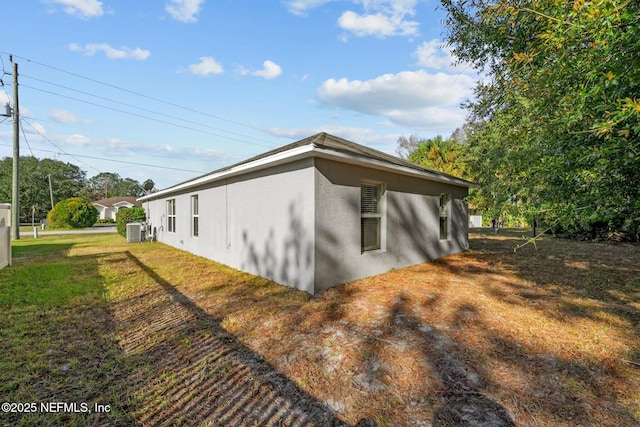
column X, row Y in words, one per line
column 546, row 335
column 539, row 336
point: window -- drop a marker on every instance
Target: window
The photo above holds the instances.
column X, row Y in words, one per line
column 194, row 216
column 171, row 215
column 444, row 215
column 371, row 217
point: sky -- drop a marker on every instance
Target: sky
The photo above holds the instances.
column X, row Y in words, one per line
column 168, row 90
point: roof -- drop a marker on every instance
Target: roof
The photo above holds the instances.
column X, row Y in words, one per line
column 110, row 202
column 320, row 145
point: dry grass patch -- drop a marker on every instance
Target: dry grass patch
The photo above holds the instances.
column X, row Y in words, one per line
column 539, row 337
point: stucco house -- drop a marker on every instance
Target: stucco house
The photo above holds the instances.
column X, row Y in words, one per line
column 315, row 213
column 107, row 208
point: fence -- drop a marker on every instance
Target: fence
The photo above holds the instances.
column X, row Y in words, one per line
column 5, row 235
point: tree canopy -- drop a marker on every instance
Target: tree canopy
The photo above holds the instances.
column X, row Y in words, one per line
column 109, row 184
column 438, row 153
column 67, row 180
column 554, row 125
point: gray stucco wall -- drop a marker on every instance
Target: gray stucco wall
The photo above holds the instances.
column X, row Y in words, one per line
column 299, row 224
column 261, row 223
column 412, row 222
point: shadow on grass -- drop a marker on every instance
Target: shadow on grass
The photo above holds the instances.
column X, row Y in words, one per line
column 562, row 270
column 57, row 341
column 206, row 374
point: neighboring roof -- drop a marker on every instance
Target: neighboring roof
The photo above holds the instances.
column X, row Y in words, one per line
column 112, row 201
column 320, row 145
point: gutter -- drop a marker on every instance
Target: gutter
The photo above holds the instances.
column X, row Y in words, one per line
column 305, row 152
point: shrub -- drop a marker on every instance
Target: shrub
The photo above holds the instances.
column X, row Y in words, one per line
column 75, row 212
column 127, row 215
column 106, row 221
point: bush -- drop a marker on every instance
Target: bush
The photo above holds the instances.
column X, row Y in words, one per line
column 75, row 212
column 106, row 221
column 127, row 215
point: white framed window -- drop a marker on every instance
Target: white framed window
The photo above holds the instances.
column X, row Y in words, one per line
column 372, row 220
column 445, row 201
column 171, row 215
column 195, row 217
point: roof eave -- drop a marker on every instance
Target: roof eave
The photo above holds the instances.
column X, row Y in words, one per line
column 302, row 152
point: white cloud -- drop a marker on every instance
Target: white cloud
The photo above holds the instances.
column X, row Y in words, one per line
column 433, row 55
column 82, row 8
column 110, row 52
column 356, row 134
column 206, row 66
column 377, row 24
column 63, row 116
column 409, row 98
column 4, row 99
column 270, row 70
column 37, row 128
column 300, row 7
column 184, row 10
column 75, row 139
column 379, row 18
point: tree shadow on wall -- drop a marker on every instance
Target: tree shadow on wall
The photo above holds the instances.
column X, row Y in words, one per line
column 285, row 260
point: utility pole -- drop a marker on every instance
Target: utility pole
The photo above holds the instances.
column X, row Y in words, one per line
column 15, row 197
column 51, row 191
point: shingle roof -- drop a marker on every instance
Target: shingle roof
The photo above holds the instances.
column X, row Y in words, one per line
column 335, row 143
column 111, row 201
column 321, row 141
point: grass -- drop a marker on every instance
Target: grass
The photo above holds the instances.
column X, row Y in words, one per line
column 544, row 336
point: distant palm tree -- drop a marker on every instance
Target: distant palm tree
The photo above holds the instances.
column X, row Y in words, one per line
column 444, row 155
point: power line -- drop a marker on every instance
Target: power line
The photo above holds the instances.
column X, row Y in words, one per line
column 141, row 116
column 52, row 143
column 141, row 108
column 25, row 138
column 108, row 160
column 139, row 94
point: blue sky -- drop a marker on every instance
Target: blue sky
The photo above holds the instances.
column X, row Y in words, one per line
column 189, row 86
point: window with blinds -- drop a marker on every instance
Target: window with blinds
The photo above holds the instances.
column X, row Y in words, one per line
column 195, row 217
column 370, row 217
column 444, row 215
column 171, row 215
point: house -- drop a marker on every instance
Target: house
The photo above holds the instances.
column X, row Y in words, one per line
column 315, row 213
column 107, row 208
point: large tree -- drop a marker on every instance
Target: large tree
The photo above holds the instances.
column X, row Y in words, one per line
column 67, row 180
column 109, row 184
column 444, row 155
column 555, row 122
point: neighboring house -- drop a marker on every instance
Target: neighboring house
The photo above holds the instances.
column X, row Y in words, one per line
column 315, row 213
column 107, row 208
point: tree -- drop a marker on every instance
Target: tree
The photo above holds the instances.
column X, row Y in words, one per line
column 444, row 155
column 109, row 184
column 67, row 181
column 555, row 124
column 74, row 212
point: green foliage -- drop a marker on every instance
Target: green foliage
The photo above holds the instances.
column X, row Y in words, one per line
column 444, row 155
column 74, row 212
column 109, row 184
column 67, row 180
column 555, row 125
column 127, row 215
column 106, row 221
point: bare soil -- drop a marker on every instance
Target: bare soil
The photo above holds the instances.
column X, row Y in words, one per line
column 543, row 336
